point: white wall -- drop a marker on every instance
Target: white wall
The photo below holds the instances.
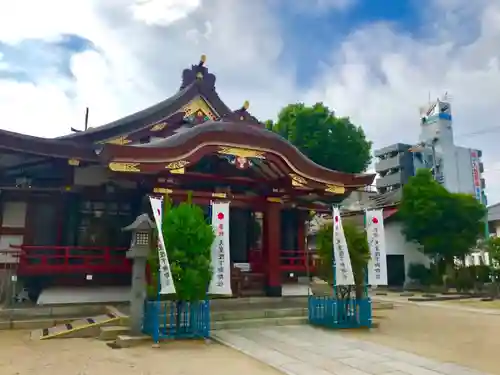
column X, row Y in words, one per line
column 396, row 244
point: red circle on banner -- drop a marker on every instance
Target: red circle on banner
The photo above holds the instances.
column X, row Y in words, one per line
column 220, row 216
column 159, row 212
column 375, row 220
column 336, row 219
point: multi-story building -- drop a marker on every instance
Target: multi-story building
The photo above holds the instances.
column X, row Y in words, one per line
column 394, row 166
column 458, row 168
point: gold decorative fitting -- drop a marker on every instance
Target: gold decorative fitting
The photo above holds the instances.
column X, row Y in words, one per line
column 177, row 171
column 199, row 75
column 159, row 126
column 74, row 162
column 119, row 141
column 297, row 180
column 241, row 152
column 335, row 189
column 67, row 188
column 159, row 190
column 246, row 104
column 124, row 167
column 177, row 164
column 274, row 200
column 219, row 195
column 203, row 58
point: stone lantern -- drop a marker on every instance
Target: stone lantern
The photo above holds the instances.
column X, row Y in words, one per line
column 138, row 252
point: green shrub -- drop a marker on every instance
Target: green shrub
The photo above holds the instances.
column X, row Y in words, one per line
column 188, row 241
column 464, row 280
column 419, row 272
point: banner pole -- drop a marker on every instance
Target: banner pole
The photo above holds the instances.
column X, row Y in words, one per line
column 333, row 255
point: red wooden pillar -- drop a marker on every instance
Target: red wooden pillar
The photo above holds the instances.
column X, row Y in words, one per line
column 301, row 238
column 272, row 246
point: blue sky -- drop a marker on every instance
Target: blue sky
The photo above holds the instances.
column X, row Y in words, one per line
column 312, row 36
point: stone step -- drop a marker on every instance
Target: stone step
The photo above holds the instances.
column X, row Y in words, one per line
column 262, row 322
column 112, row 332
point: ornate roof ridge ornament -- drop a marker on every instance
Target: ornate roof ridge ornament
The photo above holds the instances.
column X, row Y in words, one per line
column 242, row 115
column 198, row 73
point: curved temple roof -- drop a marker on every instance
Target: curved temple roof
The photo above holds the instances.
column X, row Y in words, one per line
column 211, row 137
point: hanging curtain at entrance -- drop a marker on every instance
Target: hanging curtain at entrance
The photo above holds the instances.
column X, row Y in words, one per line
column 377, row 266
column 166, row 282
column 221, row 278
column 342, row 261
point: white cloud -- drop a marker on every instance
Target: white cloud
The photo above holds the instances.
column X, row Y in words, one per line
column 163, row 12
column 378, row 76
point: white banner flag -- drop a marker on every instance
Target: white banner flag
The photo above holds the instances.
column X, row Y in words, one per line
column 343, row 267
column 166, row 282
column 221, row 278
column 377, row 266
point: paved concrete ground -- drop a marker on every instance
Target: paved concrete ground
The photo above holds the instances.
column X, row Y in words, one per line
column 305, row 350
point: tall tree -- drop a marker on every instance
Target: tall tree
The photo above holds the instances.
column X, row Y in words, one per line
column 333, row 142
column 447, row 225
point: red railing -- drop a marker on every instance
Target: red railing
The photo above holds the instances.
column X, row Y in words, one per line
column 290, row 261
column 53, row 260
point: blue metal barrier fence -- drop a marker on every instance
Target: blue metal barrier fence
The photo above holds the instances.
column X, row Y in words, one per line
column 329, row 312
column 176, row 320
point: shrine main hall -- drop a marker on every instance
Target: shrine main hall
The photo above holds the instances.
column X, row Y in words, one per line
column 64, row 200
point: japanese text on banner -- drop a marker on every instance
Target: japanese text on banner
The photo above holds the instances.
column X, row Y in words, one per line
column 166, row 282
column 377, row 266
column 342, row 260
column 221, row 278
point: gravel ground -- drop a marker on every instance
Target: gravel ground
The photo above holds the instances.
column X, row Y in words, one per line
column 21, row 356
column 463, row 337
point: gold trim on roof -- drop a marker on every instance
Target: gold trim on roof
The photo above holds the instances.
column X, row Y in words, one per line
column 335, row 189
column 241, row 152
column 122, row 140
column 74, row 162
column 177, row 164
column 159, row 190
column 158, row 127
column 297, row 180
column 219, row 195
column 199, row 104
column 124, row 167
column 274, row 200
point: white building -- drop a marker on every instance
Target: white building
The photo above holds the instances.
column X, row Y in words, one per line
column 458, row 168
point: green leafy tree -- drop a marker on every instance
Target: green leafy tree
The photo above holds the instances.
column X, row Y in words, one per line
column 445, row 224
column 330, row 141
column 359, row 252
column 492, row 247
